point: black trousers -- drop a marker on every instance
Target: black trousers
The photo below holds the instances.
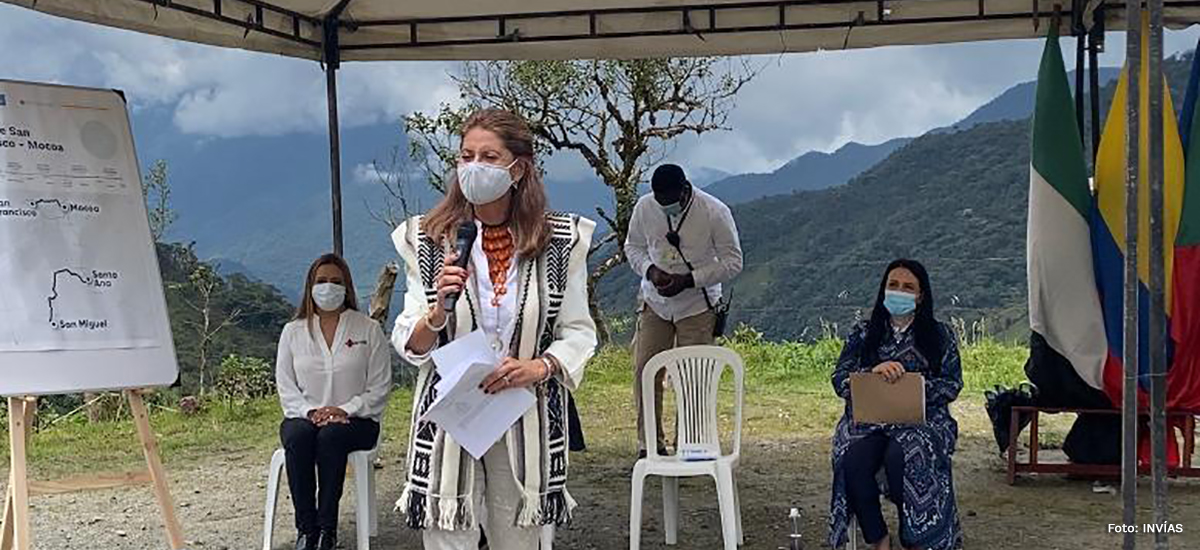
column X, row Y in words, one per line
column 863, row 459
column 317, row 457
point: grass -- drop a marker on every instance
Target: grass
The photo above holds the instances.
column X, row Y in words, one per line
column 787, row 394
column 790, row 411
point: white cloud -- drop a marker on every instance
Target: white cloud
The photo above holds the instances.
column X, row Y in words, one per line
column 366, row 173
column 822, row 100
column 215, row 91
column 259, row 94
column 568, row 166
column 800, row 102
column 372, row 174
column 737, row 150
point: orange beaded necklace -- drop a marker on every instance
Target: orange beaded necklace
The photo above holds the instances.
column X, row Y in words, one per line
column 498, row 246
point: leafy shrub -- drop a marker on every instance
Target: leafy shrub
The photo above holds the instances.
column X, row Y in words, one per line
column 244, row 378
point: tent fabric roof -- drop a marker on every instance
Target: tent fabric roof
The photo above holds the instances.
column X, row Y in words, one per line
column 549, row 29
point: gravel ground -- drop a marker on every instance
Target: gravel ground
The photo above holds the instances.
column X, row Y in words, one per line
column 220, row 503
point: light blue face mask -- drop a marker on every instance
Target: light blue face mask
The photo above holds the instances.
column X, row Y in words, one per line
column 673, row 210
column 899, row 303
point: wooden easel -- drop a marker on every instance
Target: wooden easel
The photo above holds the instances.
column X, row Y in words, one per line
column 15, row 535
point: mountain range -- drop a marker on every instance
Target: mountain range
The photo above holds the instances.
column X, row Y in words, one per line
column 955, row 197
column 259, row 205
column 808, row 172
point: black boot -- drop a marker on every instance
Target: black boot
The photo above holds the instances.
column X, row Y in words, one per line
column 307, row 541
column 328, row 540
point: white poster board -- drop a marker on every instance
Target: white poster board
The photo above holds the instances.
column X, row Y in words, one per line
column 81, row 298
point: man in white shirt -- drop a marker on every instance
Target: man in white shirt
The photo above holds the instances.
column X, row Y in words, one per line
column 684, row 244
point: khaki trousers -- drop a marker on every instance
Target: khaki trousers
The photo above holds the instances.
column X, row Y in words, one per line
column 497, row 498
column 655, row 335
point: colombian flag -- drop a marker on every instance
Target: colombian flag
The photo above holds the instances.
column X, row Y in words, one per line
column 1181, row 251
column 1183, row 380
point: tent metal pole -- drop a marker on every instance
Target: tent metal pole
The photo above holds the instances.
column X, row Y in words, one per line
column 1129, row 472
column 1080, row 60
column 1157, row 321
column 332, row 60
column 1095, row 45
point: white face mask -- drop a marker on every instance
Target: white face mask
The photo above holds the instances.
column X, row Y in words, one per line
column 483, row 183
column 329, row 296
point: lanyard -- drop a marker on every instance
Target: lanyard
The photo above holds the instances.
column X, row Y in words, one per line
column 675, row 241
column 673, row 232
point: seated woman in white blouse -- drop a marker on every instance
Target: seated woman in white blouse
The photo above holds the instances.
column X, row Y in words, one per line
column 334, row 373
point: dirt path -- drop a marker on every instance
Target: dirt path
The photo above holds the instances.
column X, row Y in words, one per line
column 220, row 503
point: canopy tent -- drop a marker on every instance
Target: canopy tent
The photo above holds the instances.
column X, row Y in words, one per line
column 372, row 30
column 332, row 31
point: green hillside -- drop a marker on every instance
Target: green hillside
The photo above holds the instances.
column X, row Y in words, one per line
column 261, row 313
column 956, row 201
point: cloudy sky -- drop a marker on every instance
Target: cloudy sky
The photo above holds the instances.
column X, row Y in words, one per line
column 799, row 102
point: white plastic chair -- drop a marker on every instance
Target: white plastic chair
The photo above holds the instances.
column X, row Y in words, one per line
column 366, row 508
column 695, row 374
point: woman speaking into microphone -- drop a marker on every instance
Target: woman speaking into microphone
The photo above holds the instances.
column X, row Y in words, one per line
column 522, row 281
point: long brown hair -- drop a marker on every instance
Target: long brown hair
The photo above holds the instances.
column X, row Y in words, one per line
column 307, row 306
column 527, row 215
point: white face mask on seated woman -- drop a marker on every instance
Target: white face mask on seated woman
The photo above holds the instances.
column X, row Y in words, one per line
column 483, row 183
column 329, row 296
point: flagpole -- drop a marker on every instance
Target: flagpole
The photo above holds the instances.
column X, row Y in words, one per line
column 1157, row 321
column 1080, row 69
column 1133, row 60
column 1095, row 44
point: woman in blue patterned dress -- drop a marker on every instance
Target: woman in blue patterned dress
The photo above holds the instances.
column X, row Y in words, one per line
column 901, row 336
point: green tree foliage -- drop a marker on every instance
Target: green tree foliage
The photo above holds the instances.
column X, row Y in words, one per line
column 156, row 189
column 244, row 378
column 956, row 201
column 262, row 312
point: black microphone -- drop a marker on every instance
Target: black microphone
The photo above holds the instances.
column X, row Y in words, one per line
column 465, row 240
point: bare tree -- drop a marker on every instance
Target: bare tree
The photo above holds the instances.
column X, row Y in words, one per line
column 208, row 286
column 618, row 115
column 394, row 174
column 156, row 190
column 433, row 140
column 381, row 299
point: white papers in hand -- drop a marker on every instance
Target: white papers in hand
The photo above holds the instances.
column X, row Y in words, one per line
column 474, row 419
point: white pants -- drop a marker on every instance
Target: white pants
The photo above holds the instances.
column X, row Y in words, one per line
column 497, row 499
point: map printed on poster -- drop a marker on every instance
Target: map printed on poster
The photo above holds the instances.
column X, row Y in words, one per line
column 77, row 264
